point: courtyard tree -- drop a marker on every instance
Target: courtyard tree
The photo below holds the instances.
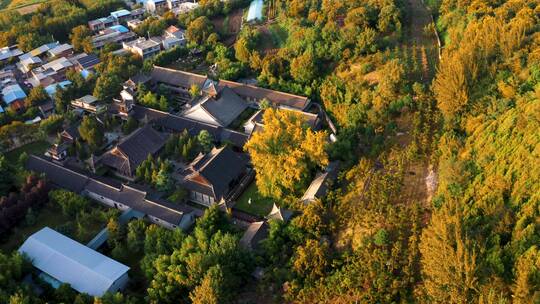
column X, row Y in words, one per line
column 205, row 140
column 91, row 132
column 285, row 152
column 107, row 86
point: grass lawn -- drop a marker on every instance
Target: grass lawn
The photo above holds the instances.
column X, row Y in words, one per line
column 259, row 205
column 51, row 216
column 18, row 4
column 238, row 123
column 37, row 147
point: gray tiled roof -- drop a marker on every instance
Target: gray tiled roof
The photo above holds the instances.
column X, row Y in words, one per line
column 127, row 195
column 186, row 79
column 58, row 175
column 136, row 199
column 178, row 124
column 177, row 78
column 219, row 167
column 136, row 147
column 255, row 233
column 322, row 182
column 226, row 107
column 275, row 97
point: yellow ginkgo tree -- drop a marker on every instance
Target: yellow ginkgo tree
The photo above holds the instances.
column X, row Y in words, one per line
column 284, row 152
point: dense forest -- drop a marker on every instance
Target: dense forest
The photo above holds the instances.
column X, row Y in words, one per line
column 466, row 124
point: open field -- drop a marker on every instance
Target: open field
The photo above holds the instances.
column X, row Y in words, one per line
column 51, row 216
column 259, row 205
column 37, row 147
column 229, row 26
column 22, row 6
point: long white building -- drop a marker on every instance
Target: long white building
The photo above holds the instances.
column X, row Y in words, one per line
column 63, row 260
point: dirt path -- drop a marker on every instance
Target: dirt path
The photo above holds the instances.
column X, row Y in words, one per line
column 420, row 179
column 423, row 44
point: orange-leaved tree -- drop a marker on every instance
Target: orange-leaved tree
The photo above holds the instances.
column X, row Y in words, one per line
column 285, row 152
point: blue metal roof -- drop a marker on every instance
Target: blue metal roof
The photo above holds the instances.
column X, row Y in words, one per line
column 120, row 13
column 51, row 89
column 12, row 93
column 85, row 73
column 120, row 28
column 1, row 109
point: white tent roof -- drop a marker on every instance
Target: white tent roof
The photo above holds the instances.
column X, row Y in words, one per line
column 68, row 261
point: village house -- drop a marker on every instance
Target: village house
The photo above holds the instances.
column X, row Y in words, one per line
column 172, row 4
column 133, row 150
column 62, row 50
column 46, row 108
column 40, row 51
column 13, row 96
column 70, row 134
column 26, row 64
column 51, row 89
column 123, row 15
column 184, row 8
column 156, row 7
column 7, row 77
column 211, row 177
column 9, row 52
column 133, row 24
column 89, row 104
column 51, row 72
column 113, row 34
column 85, row 63
column 144, row 48
column 102, row 23
column 174, row 36
column 63, row 260
column 123, row 107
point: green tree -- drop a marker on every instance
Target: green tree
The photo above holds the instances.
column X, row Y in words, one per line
column 241, row 50
column 91, row 132
column 194, row 91
column 311, row 259
column 304, row 68
column 81, row 39
column 136, row 235
column 70, row 202
column 205, row 140
column 108, row 85
column 199, row 30
column 36, row 96
column 130, row 125
column 210, row 290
